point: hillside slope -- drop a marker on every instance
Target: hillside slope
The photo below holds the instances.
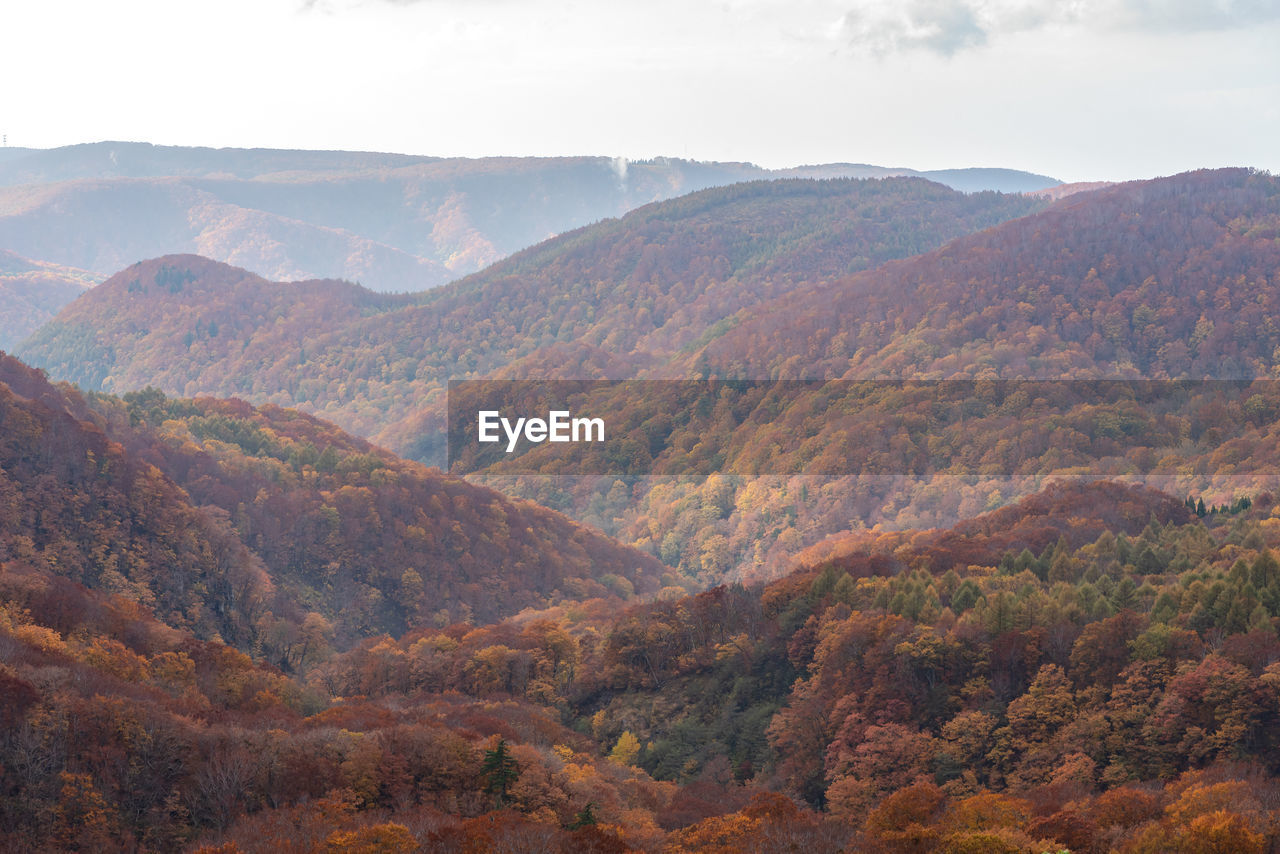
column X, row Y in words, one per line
column 1174, row 277
column 393, row 222
column 663, row 278
column 1177, row 278
column 31, row 293
column 235, row 523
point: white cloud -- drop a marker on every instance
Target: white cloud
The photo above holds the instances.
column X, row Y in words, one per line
column 948, row 26
column 942, row 26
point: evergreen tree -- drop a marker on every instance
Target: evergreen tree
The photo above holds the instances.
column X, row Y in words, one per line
column 586, row 817
column 500, row 770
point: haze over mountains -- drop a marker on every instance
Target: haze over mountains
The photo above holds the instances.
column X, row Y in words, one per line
column 105, row 160
column 391, row 222
column 31, row 292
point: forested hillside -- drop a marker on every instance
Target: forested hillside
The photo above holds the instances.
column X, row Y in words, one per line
column 31, row 293
column 1090, row 670
column 241, row 524
column 642, row 288
column 121, row 733
column 425, row 665
column 1172, row 278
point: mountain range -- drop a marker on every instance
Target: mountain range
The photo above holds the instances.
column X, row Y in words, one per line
column 227, row 625
column 1170, row 278
column 638, row 289
column 391, row 222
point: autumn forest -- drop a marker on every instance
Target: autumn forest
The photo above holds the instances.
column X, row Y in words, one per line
column 936, row 521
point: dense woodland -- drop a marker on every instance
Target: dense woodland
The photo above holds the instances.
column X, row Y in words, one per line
column 239, row 524
column 227, row 627
column 1172, row 278
column 662, row 278
column 1091, row 669
column 791, row 462
column 617, row 299
column 1167, row 279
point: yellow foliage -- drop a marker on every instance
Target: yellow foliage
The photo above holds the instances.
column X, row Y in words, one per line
column 998, row 841
column 173, row 669
column 45, row 640
column 1201, row 799
column 985, row 811
column 1222, row 832
column 388, row 838
column 729, row 834
column 626, row 750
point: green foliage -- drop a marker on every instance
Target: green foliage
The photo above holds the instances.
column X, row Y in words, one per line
column 500, row 771
column 586, row 817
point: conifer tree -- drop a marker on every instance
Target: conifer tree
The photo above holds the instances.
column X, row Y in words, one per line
column 500, row 770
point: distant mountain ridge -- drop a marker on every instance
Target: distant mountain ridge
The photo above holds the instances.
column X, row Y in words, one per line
column 666, row 277
column 971, row 180
column 106, row 160
column 31, row 292
column 393, row 222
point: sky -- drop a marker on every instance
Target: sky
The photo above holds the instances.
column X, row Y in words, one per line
column 1077, row 89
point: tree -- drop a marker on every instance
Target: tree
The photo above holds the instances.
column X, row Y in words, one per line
column 500, row 770
column 585, row 817
column 626, row 750
column 384, row 838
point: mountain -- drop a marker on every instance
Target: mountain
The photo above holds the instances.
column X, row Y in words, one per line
column 1092, row 667
column 102, row 160
column 31, row 292
column 106, row 160
column 1168, row 278
column 973, row 180
column 1149, row 281
column 228, row 627
column 393, row 222
column 1165, row 279
column 234, row 523
column 116, row 222
column 663, row 278
column 206, row 310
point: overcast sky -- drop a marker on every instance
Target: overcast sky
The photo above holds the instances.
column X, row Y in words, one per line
column 1077, row 89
